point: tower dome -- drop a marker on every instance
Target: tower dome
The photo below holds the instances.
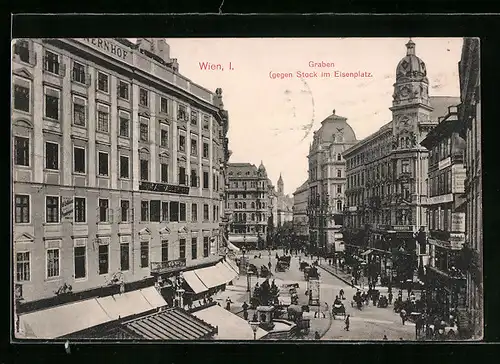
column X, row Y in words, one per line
column 411, row 67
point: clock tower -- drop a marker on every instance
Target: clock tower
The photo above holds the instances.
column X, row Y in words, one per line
column 410, row 106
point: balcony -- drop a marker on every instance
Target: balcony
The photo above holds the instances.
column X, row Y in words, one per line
column 168, row 266
column 440, row 235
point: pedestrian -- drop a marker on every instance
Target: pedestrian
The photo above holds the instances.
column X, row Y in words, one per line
column 403, row 316
column 269, row 265
column 316, row 335
column 346, row 328
column 390, row 297
column 245, row 311
column 352, row 281
column 385, row 338
column 255, row 318
column 228, row 304
column 341, row 293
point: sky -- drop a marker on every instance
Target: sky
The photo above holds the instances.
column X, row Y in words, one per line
column 268, row 116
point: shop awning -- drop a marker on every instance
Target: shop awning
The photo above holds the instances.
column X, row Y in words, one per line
column 171, row 324
column 227, row 272
column 230, row 326
column 233, row 247
column 232, row 265
column 129, row 303
column 154, row 297
column 243, row 239
column 63, row 320
column 194, row 282
column 229, row 267
column 369, row 251
column 210, row 276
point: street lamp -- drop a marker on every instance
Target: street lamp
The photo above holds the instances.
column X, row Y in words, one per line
column 254, row 325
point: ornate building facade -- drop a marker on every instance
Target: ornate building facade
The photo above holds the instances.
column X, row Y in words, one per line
column 249, row 202
column 327, row 184
column 470, row 116
column 445, row 273
column 387, row 172
column 118, row 165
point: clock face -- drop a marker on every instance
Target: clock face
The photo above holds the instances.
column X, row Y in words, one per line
column 405, row 91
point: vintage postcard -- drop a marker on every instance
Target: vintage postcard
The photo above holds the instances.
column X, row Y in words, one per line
column 246, row 189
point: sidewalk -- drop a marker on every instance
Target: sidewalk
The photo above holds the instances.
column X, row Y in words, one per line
column 346, row 278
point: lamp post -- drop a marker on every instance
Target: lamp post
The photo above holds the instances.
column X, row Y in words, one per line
column 254, row 325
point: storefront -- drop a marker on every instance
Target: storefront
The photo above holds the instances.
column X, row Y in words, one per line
column 445, row 290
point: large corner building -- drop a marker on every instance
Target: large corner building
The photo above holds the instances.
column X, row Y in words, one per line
column 327, row 184
column 387, row 176
column 118, row 168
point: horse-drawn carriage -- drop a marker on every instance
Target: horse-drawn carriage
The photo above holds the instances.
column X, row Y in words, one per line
column 383, row 302
column 303, row 266
column 338, row 309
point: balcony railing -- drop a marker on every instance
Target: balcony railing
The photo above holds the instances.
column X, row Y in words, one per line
column 171, row 265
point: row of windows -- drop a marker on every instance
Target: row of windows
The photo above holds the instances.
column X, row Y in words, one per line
column 53, row 258
column 80, row 74
column 377, row 172
column 80, row 116
column 440, row 151
column 153, row 210
column 159, row 211
column 243, row 205
column 440, row 219
column 242, row 217
column 52, row 162
column 247, row 195
column 246, row 184
column 440, row 184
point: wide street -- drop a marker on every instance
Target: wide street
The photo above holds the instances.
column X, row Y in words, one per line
column 371, row 323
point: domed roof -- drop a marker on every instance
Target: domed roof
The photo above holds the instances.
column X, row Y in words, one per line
column 411, row 66
column 335, row 129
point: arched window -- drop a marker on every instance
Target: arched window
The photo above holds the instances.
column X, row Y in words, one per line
column 339, row 205
column 236, row 205
column 253, row 205
column 244, row 205
column 402, row 143
column 253, row 217
column 244, row 217
column 339, row 157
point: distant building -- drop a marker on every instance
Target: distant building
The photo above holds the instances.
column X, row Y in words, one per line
column 284, row 209
column 248, row 196
column 300, row 219
column 327, row 183
column 387, row 175
column 470, row 116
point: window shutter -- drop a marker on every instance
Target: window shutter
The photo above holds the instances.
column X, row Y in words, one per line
column 62, row 70
column 98, row 217
column 110, row 216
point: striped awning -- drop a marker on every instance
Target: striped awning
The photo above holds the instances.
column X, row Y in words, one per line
column 171, row 324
